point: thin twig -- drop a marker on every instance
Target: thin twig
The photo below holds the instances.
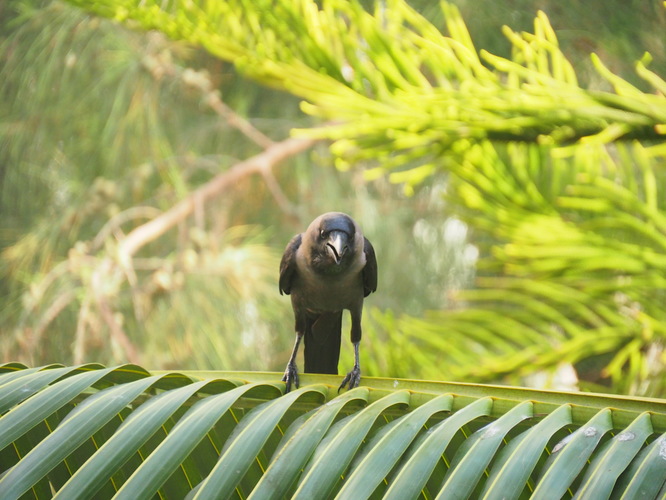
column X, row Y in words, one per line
column 201, row 81
column 235, row 120
column 119, row 219
column 99, row 276
column 278, row 195
column 80, row 336
column 56, row 307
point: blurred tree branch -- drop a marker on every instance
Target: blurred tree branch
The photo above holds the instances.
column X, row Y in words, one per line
column 261, row 164
column 85, row 281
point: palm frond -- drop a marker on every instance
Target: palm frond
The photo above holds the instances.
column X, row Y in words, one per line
column 85, row 431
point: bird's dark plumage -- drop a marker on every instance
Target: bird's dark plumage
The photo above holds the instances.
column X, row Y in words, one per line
column 327, row 269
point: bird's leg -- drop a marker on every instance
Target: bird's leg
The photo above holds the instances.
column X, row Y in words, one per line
column 291, row 372
column 354, row 376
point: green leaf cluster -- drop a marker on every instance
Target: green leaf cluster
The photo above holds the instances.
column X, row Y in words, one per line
column 573, row 268
column 397, row 87
column 89, row 431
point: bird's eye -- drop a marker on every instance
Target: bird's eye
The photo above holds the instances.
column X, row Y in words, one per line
column 322, row 234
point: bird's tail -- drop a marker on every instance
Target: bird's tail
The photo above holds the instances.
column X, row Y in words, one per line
column 322, row 344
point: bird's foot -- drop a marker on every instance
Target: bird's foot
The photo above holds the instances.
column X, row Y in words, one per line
column 352, row 379
column 291, row 376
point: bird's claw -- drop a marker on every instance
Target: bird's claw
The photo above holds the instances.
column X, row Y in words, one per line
column 352, row 379
column 291, row 376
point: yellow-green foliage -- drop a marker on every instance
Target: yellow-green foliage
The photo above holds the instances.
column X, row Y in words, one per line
column 563, row 185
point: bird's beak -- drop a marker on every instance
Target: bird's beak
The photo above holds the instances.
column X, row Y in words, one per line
column 337, row 245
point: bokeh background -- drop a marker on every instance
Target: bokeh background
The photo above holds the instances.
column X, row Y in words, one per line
column 102, row 127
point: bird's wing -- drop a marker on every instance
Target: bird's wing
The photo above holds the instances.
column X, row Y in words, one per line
column 370, row 269
column 288, row 264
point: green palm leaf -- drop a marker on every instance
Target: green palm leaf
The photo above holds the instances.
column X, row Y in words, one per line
column 338, row 447
column 125, row 433
column 646, row 474
column 83, row 421
column 135, row 430
column 518, row 459
column 474, row 455
column 429, row 448
column 247, row 443
column 613, row 458
column 298, row 443
column 380, row 455
column 182, row 440
column 570, row 456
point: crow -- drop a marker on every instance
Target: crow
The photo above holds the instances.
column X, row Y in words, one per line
column 327, row 269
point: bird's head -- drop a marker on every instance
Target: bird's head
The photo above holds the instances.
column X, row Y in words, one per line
column 331, row 241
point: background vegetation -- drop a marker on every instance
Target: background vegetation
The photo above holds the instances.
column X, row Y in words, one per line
column 521, row 240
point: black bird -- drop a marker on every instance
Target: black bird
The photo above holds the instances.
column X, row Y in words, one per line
column 329, row 268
